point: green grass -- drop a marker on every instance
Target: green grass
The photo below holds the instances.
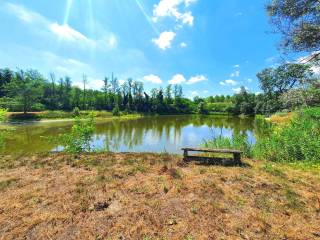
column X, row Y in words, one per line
column 7, row 183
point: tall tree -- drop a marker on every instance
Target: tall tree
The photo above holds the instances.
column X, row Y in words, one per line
column 84, row 82
column 105, row 90
column 6, row 76
column 299, row 23
column 285, row 77
column 26, row 88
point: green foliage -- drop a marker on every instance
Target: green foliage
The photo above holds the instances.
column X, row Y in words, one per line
column 76, row 112
column 298, row 141
column 285, row 77
column 201, row 108
column 116, row 111
column 2, row 132
column 3, row 113
column 26, row 88
column 80, row 137
column 298, row 22
column 237, row 141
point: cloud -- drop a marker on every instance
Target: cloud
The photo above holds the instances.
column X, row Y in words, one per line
column 194, row 93
column 229, row 82
column 183, row 45
column 63, row 32
column 153, row 79
column 236, row 66
column 67, row 33
column 121, row 82
column 164, row 41
column 24, row 14
column 177, row 79
column 196, row 79
column 238, row 90
column 235, row 74
column 249, row 80
column 205, row 91
column 172, row 8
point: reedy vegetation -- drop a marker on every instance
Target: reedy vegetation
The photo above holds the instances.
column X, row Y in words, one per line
column 296, row 141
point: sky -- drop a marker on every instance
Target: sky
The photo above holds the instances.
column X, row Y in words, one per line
column 210, row 47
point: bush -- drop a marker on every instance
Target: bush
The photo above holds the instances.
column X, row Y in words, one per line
column 116, row 111
column 3, row 113
column 76, row 112
column 80, row 137
column 297, row 141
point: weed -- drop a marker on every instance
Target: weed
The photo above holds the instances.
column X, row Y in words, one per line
column 269, row 168
column 8, row 183
column 293, row 199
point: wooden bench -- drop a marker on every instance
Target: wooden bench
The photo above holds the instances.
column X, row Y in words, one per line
column 186, row 157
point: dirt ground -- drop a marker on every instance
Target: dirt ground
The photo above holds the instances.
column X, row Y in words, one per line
column 154, row 196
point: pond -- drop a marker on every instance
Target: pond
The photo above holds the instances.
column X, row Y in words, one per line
column 146, row 134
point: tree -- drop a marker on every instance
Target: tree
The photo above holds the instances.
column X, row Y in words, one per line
column 244, row 103
column 285, row 77
column 84, row 101
column 5, row 78
column 26, row 88
column 299, row 23
column 105, row 90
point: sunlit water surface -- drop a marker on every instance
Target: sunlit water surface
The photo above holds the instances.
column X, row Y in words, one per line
column 147, row 134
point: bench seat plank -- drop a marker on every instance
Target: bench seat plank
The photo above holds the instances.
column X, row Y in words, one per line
column 211, row 150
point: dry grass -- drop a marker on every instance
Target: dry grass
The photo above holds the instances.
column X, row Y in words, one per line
column 284, row 118
column 150, row 196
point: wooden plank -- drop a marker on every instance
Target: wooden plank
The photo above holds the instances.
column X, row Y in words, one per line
column 211, row 150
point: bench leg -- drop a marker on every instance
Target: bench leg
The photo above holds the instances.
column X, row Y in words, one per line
column 237, row 158
column 185, row 155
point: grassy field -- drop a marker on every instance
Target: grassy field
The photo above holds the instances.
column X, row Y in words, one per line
column 62, row 115
column 155, row 196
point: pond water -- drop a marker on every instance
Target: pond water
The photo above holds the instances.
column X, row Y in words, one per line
column 147, row 134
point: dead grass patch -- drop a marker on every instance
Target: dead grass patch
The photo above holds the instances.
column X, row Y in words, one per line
column 153, row 196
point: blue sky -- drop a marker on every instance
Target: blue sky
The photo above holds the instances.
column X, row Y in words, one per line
column 209, row 46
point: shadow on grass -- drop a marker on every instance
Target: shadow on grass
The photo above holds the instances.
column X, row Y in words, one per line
column 215, row 161
column 24, row 117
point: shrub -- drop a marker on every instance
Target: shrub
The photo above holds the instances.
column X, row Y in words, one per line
column 76, row 112
column 116, row 111
column 80, row 137
column 3, row 113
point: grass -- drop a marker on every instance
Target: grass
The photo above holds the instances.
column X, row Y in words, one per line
column 154, row 196
column 63, row 115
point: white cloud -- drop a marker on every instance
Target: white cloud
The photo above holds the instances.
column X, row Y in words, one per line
column 121, row 82
column 249, row 80
column 236, row 66
column 196, row 79
column 64, row 32
column 177, row 79
column 183, row 45
column 194, row 93
column 235, row 74
column 205, row 91
column 172, row 8
column 153, row 79
column 229, row 82
column 24, row 14
column 238, row 90
column 165, row 39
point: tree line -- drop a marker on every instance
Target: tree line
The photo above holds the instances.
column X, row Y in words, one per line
column 285, row 87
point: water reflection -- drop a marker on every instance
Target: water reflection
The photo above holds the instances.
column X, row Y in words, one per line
column 149, row 134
